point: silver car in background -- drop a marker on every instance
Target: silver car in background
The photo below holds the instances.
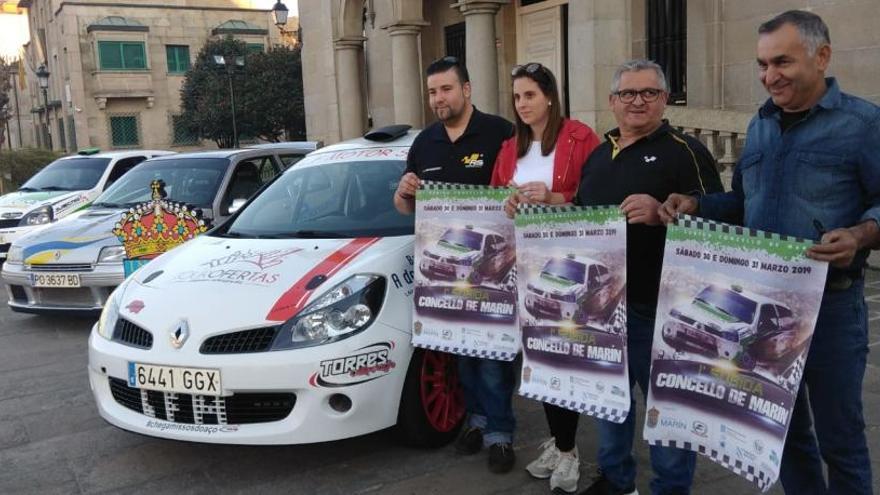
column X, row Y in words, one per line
column 73, row 265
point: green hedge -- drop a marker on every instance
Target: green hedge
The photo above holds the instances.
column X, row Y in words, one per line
column 17, row 166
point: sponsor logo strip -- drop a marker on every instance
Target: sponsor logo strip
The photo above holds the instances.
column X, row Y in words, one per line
column 292, row 301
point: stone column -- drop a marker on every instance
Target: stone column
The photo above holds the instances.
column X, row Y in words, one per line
column 349, row 94
column 405, row 73
column 480, row 50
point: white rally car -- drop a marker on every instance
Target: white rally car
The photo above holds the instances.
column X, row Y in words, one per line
column 61, row 188
column 290, row 323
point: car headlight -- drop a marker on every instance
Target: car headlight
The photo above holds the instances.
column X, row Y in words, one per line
column 111, row 253
column 15, row 254
column 109, row 315
column 343, row 311
column 39, row 216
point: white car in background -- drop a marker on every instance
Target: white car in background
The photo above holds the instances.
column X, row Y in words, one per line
column 288, row 324
column 64, row 186
column 73, row 265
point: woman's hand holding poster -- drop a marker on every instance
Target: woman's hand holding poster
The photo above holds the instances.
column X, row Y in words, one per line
column 735, row 317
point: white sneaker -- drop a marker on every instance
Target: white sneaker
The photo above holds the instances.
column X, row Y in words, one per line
column 567, row 473
column 542, row 467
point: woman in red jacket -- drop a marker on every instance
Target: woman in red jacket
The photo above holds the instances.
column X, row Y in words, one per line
column 543, row 161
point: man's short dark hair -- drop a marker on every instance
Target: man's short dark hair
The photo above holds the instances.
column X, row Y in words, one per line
column 813, row 30
column 449, row 63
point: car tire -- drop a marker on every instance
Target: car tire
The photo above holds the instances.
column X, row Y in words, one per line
column 432, row 403
column 476, row 278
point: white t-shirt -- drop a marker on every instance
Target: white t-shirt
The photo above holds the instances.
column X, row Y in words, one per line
column 533, row 167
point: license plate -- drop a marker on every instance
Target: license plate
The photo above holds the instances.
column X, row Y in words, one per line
column 699, row 336
column 64, row 280
column 198, row 381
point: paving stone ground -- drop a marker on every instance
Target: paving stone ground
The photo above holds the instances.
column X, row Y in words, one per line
column 53, row 441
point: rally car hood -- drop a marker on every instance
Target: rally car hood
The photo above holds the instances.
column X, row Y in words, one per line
column 75, row 239
column 705, row 315
column 219, row 284
column 550, row 287
column 24, row 201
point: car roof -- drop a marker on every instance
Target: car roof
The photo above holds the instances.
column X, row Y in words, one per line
column 120, row 154
column 478, row 230
column 221, row 153
column 404, row 141
column 754, row 296
column 288, row 145
column 586, row 260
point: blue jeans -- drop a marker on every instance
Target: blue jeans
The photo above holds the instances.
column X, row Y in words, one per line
column 832, row 390
column 488, row 397
column 673, row 468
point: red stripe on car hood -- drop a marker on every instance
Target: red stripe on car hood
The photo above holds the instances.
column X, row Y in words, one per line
column 292, row 301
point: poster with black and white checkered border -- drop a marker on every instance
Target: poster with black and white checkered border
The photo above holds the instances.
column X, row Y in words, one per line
column 735, row 317
column 571, row 263
column 465, row 277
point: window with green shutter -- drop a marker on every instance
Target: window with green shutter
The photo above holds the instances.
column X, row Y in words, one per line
column 178, row 58
column 121, row 55
column 124, row 131
column 255, row 48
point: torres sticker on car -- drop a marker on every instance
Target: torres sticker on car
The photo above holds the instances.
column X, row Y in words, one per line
column 365, row 364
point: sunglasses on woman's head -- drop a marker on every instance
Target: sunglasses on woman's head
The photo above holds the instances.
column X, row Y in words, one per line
column 531, row 69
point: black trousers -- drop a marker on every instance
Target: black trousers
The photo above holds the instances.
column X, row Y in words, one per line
column 563, row 425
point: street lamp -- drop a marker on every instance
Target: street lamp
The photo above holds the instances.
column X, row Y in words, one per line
column 280, row 13
column 230, row 62
column 43, row 79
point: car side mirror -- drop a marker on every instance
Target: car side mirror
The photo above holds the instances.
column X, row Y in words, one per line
column 236, row 205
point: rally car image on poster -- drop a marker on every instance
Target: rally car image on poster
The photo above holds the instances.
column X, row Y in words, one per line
column 572, row 288
column 289, row 323
column 732, row 323
column 469, row 254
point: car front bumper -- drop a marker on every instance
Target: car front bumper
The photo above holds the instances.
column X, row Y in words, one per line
column 9, row 235
column 291, row 373
column 97, row 281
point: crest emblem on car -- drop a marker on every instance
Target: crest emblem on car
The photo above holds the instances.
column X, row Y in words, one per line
column 179, row 334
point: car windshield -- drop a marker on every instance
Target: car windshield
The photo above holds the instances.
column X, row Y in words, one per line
column 70, row 174
column 329, row 201
column 461, row 240
column 565, row 271
column 732, row 304
column 193, row 181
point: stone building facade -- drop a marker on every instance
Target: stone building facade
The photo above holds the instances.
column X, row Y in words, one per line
column 364, row 60
column 116, row 66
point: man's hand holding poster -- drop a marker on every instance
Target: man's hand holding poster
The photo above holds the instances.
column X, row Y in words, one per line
column 465, row 278
column 571, row 266
column 735, row 316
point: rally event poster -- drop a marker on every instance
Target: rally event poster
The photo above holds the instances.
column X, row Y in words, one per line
column 465, row 281
column 571, row 266
column 735, row 317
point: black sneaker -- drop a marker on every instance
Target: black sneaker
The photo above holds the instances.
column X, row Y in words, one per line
column 470, row 441
column 501, row 457
column 602, row 486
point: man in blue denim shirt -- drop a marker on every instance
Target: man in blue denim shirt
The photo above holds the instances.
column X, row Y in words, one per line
column 812, row 162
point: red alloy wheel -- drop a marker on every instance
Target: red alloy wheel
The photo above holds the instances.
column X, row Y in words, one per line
column 442, row 397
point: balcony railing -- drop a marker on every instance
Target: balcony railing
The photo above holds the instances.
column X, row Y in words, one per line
column 722, row 131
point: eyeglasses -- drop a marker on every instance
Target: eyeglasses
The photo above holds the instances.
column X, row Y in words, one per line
column 530, row 69
column 648, row 95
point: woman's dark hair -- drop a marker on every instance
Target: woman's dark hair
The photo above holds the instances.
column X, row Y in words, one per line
column 547, row 84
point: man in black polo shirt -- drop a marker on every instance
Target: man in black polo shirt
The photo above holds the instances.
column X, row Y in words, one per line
column 461, row 147
column 638, row 166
